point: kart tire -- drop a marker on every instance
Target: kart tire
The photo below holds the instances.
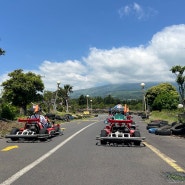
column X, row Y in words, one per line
column 165, row 127
column 103, row 134
column 103, row 142
column 174, row 123
column 50, row 115
column 178, row 129
column 14, row 132
column 57, row 128
column 137, row 134
column 158, row 123
column 43, row 131
column 163, row 132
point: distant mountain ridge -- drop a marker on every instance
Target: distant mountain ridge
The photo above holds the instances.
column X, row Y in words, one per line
column 121, row 91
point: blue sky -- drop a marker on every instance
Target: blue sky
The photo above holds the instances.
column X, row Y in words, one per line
column 91, row 43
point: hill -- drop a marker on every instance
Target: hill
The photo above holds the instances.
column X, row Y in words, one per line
column 121, row 91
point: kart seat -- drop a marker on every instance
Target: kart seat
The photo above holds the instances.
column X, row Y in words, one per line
column 119, row 116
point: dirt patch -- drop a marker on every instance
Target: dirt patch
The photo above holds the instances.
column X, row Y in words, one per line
column 6, row 127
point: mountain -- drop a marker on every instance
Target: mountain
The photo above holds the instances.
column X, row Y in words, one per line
column 121, row 91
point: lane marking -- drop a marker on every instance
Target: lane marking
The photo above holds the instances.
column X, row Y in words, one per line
column 164, row 157
column 21, row 172
column 9, row 148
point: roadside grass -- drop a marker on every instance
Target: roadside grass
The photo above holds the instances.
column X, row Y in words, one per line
column 166, row 115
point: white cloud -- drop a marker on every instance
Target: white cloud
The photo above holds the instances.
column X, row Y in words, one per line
column 136, row 10
column 118, row 65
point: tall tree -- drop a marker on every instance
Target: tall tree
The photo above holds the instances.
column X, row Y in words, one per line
column 82, row 100
column 23, row 88
column 47, row 104
column 162, row 96
column 180, row 79
column 63, row 95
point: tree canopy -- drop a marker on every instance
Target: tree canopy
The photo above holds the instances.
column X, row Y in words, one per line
column 22, row 88
column 162, row 96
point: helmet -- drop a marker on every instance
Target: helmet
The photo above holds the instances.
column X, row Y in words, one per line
column 36, row 108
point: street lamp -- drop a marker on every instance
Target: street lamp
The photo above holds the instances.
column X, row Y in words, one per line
column 91, row 106
column 58, row 84
column 144, row 98
column 180, row 106
column 87, row 96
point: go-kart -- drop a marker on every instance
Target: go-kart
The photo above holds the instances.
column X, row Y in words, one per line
column 120, row 129
column 34, row 130
column 120, row 132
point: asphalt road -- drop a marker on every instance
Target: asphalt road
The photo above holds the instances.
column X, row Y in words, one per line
column 75, row 159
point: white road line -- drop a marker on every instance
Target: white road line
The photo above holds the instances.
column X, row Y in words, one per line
column 42, row 158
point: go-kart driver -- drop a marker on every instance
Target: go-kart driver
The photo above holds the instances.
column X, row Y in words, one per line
column 37, row 114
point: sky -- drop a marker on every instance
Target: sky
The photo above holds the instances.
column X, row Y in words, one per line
column 87, row 43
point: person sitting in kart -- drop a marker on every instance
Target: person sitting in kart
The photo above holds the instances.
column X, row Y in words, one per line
column 37, row 114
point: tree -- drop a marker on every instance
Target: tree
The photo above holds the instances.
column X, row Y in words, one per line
column 109, row 100
column 47, row 104
column 180, row 79
column 23, row 88
column 67, row 90
column 2, row 52
column 162, row 96
column 82, row 100
column 166, row 100
column 63, row 94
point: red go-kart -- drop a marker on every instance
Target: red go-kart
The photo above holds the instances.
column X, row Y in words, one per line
column 34, row 130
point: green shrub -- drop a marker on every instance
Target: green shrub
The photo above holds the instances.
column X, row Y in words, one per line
column 8, row 112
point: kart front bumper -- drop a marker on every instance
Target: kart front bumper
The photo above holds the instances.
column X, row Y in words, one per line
column 22, row 136
column 120, row 139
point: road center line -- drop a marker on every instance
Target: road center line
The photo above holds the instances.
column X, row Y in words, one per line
column 164, row 157
column 42, row 158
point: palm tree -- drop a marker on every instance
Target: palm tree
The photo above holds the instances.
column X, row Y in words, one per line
column 67, row 90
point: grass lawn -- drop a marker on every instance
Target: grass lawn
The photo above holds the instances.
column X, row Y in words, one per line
column 170, row 116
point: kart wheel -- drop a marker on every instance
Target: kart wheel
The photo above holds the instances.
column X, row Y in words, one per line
column 103, row 142
column 43, row 131
column 103, row 134
column 137, row 134
column 57, row 128
column 14, row 132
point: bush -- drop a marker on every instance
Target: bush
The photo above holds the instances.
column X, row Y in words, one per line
column 8, row 112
